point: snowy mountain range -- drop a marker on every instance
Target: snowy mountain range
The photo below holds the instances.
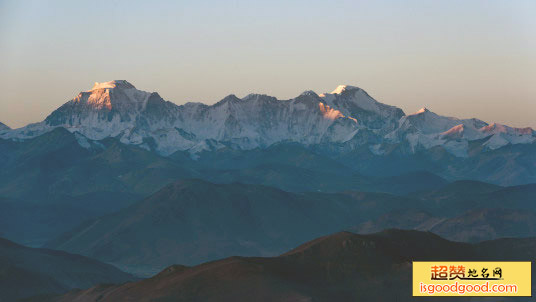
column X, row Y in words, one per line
column 347, row 117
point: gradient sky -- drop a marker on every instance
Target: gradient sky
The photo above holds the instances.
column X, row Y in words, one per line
column 457, row 58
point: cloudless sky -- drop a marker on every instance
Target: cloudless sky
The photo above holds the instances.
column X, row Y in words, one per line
column 457, row 58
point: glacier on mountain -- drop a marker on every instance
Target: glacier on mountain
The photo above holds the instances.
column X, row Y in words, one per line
column 347, row 116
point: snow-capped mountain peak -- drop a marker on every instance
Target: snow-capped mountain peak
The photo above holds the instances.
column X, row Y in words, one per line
column 421, row 111
column 258, row 97
column 310, row 93
column 357, row 103
column 122, row 84
column 501, row 135
column 229, row 99
column 347, row 118
column 495, row 128
column 428, row 122
column 461, row 131
column 109, row 109
column 342, row 88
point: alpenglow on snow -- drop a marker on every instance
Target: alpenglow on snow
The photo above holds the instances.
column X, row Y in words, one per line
column 347, row 118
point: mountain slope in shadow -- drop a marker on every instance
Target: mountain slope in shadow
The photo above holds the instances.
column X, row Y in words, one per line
column 467, row 211
column 26, row 272
column 472, row 226
column 193, row 221
column 339, row 267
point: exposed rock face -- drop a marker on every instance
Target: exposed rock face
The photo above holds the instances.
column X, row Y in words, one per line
column 347, row 117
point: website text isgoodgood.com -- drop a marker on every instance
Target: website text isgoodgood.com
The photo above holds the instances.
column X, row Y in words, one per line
column 462, row 288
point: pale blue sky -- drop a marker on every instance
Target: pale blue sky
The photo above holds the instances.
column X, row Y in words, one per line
column 459, row 58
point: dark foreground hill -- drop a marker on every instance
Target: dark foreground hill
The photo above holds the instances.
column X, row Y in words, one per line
column 339, row 267
column 26, row 272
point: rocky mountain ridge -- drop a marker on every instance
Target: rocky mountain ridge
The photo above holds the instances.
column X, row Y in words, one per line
column 348, row 117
